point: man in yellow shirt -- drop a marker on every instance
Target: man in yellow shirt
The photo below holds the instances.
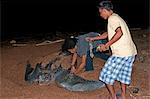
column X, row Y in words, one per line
column 119, row 65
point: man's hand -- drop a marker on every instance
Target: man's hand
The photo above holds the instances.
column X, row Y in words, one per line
column 102, row 47
column 73, row 69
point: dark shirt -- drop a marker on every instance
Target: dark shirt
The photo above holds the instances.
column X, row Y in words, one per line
column 83, row 45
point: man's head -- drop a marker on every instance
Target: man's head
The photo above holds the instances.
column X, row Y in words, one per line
column 69, row 45
column 105, row 9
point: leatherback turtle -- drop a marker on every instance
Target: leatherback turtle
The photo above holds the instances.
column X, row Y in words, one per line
column 62, row 77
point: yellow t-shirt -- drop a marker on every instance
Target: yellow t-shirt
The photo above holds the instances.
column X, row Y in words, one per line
column 125, row 45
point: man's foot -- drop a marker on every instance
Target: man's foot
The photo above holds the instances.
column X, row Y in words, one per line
column 118, row 96
column 123, row 96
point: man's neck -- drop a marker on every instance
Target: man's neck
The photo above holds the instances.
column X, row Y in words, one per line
column 110, row 13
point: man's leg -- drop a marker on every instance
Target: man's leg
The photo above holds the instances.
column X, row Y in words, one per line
column 89, row 62
column 111, row 91
column 123, row 90
column 125, row 74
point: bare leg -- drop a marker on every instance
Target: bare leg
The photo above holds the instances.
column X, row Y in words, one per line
column 111, row 91
column 123, row 90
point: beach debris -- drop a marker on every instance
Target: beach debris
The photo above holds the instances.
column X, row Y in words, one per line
column 131, row 93
column 19, row 45
column 144, row 35
column 12, row 41
column 135, row 90
column 140, row 59
column 15, row 44
column 44, row 43
column 137, row 93
column 47, row 42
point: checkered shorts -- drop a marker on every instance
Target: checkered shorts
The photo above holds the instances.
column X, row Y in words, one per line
column 117, row 68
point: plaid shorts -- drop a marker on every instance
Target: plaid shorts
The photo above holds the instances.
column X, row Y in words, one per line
column 117, row 68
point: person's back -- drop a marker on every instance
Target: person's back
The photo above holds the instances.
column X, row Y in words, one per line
column 83, row 46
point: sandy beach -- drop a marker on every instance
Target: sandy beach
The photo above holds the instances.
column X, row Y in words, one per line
column 14, row 59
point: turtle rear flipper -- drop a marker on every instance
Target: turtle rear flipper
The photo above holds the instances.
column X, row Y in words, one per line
column 34, row 75
column 28, row 71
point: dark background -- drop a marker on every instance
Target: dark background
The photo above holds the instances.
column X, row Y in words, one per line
column 19, row 17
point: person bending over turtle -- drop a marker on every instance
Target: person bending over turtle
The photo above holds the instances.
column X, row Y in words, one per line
column 80, row 47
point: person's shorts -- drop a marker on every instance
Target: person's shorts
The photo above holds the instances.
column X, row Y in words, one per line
column 117, row 68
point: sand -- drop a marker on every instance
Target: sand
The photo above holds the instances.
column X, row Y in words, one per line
column 13, row 62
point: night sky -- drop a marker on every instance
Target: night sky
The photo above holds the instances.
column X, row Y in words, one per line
column 43, row 16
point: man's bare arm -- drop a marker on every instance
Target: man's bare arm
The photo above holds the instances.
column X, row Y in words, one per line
column 103, row 36
column 115, row 38
column 74, row 59
column 82, row 65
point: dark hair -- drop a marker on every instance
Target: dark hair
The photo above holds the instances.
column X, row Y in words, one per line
column 69, row 43
column 106, row 4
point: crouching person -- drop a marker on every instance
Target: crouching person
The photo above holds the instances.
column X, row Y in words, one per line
column 79, row 47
